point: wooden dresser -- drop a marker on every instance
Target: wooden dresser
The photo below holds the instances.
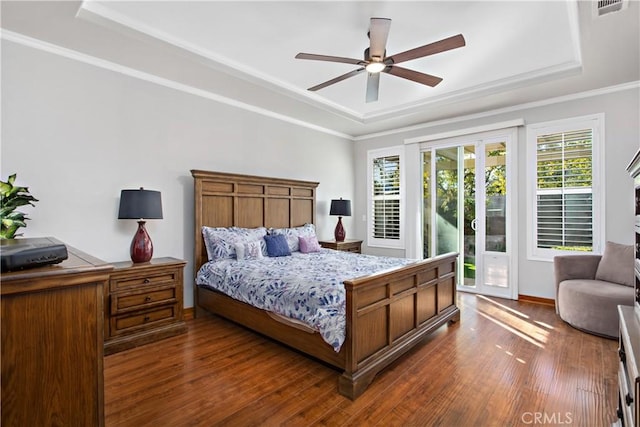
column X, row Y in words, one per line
column 629, row 347
column 143, row 303
column 628, row 374
column 52, row 343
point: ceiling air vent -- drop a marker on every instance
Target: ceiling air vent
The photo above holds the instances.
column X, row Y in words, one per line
column 603, row 7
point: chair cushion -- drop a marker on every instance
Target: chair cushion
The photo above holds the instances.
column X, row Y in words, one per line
column 616, row 265
column 592, row 305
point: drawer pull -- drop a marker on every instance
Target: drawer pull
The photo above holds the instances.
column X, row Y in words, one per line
column 628, row 399
column 147, row 299
column 146, row 281
column 147, row 318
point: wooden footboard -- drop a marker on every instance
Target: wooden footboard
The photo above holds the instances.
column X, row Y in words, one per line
column 389, row 313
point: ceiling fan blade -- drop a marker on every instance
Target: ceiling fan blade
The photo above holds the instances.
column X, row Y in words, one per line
column 425, row 79
column 378, row 33
column 330, row 58
column 429, row 49
column 373, row 84
column 337, row 79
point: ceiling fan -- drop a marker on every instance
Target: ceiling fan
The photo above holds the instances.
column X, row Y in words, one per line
column 376, row 62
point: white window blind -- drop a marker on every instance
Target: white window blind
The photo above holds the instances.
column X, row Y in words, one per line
column 564, row 190
column 386, row 197
column 565, row 180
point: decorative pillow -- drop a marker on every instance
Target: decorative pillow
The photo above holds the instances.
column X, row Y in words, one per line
column 221, row 241
column 616, row 265
column 251, row 250
column 212, row 241
column 293, row 234
column 308, row 244
column 277, row 245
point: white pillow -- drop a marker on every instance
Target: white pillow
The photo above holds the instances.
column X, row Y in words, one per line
column 221, row 241
column 250, row 250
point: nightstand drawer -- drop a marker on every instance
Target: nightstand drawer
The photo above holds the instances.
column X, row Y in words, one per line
column 118, row 283
column 123, row 303
column 124, row 324
column 348, row 245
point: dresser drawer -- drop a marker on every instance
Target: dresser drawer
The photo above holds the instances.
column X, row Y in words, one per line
column 629, row 372
column 143, row 303
column 149, row 319
column 151, row 279
column 626, row 397
column 127, row 302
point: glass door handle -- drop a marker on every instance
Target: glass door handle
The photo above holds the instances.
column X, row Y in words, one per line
column 474, row 224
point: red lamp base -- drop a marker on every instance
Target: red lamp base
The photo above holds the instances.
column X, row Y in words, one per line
column 339, row 232
column 141, row 246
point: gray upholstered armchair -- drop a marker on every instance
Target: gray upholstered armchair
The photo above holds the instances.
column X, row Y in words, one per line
column 590, row 287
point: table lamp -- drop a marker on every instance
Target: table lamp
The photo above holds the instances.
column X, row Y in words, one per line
column 340, row 208
column 140, row 204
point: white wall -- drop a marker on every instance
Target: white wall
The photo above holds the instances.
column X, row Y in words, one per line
column 76, row 135
column 622, row 140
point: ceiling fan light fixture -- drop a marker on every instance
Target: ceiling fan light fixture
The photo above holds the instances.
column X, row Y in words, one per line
column 376, row 61
column 375, row 67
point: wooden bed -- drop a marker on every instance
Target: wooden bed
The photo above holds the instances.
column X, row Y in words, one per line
column 387, row 313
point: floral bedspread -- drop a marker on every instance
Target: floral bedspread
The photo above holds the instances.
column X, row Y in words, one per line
column 305, row 287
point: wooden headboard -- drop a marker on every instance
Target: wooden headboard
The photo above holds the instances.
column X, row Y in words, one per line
column 225, row 200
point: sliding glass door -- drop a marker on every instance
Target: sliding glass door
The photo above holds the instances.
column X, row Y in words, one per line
column 466, row 198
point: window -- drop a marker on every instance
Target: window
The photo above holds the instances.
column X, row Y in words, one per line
column 385, row 180
column 565, row 202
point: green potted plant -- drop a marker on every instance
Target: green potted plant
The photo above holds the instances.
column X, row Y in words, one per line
column 12, row 197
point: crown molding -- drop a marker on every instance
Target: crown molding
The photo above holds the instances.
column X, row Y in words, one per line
column 99, row 14
column 570, row 68
column 111, row 66
column 534, row 104
column 103, row 15
column 152, row 78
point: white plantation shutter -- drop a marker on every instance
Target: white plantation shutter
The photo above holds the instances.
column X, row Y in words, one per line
column 564, row 190
column 565, row 204
column 385, row 202
column 386, row 197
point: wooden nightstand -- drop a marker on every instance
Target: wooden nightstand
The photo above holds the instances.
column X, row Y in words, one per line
column 143, row 303
column 349, row 245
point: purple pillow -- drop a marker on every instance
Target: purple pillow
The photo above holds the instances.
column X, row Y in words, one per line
column 308, row 244
column 277, row 245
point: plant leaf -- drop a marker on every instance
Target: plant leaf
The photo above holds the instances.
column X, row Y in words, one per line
column 12, row 197
column 19, row 200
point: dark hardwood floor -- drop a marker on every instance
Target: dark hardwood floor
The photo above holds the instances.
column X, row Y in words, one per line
column 506, row 363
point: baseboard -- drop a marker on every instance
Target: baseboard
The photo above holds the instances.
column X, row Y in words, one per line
column 188, row 313
column 537, row 300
